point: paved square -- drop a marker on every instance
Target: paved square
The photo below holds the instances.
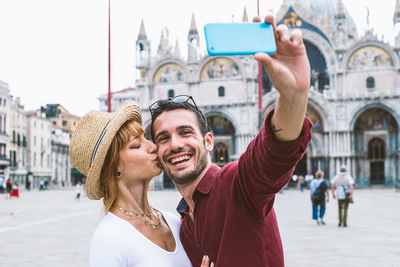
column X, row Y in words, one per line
column 51, row 228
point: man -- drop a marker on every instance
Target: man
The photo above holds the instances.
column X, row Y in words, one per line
column 342, row 186
column 227, row 213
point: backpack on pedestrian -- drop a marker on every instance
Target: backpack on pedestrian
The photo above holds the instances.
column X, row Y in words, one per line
column 318, row 195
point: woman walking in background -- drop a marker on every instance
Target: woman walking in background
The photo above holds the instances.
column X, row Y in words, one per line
column 318, row 189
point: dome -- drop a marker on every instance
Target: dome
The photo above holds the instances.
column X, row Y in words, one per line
column 320, row 13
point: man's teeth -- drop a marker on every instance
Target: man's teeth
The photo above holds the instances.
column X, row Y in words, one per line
column 182, row 158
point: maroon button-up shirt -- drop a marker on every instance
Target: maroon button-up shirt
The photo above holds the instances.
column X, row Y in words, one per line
column 234, row 220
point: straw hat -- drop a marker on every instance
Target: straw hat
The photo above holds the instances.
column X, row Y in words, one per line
column 92, row 138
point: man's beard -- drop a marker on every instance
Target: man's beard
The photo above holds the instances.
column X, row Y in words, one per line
column 190, row 176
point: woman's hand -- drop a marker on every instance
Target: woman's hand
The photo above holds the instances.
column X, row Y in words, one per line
column 206, row 262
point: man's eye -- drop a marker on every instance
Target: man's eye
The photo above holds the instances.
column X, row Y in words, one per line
column 161, row 139
column 135, row 146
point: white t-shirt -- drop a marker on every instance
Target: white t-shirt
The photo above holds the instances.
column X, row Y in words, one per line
column 117, row 243
column 340, row 188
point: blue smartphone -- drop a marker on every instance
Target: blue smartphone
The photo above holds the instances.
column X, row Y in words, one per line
column 246, row 38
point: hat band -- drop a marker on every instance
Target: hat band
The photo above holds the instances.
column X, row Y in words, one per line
column 96, row 147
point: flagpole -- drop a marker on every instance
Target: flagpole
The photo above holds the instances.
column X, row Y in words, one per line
column 109, row 56
column 260, row 89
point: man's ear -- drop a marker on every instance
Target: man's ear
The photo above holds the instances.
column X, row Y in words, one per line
column 209, row 141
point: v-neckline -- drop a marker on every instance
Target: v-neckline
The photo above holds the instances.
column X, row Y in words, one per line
column 148, row 239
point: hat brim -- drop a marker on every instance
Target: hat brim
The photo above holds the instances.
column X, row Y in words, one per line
column 127, row 112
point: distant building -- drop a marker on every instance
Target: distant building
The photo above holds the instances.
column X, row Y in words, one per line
column 18, row 142
column 60, row 117
column 61, row 165
column 39, row 131
column 353, row 101
column 118, row 97
column 5, row 103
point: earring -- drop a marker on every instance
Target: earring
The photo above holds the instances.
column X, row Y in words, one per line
column 118, row 174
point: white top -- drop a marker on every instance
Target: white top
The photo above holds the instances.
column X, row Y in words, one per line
column 118, row 243
column 342, row 183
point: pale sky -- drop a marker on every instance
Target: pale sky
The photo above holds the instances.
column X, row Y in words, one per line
column 56, row 51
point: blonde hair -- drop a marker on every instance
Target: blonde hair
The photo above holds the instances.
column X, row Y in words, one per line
column 319, row 174
column 108, row 180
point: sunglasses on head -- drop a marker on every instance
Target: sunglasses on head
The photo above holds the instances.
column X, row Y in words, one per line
column 157, row 107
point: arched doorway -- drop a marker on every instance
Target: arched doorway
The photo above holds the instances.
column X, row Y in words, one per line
column 375, row 145
column 224, row 138
column 221, row 154
column 376, row 157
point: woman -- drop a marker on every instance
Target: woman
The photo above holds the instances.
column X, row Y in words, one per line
column 318, row 189
column 119, row 163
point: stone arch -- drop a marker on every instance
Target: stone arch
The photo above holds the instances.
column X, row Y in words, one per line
column 375, row 125
column 365, row 108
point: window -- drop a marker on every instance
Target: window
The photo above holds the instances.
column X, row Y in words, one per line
column 34, row 159
column 64, row 123
column 34, row 140
column 13, row 138
column 171, row 93
column 54, row 122
column 370, row 82
column 18, row 140
column 221, row 91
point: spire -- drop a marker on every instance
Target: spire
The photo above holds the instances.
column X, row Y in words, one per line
column 340, row 10
column 396, row 16
column 245, row 18
column 142, row 32
column 193, row 27
column 162, row 45
column 177, row 53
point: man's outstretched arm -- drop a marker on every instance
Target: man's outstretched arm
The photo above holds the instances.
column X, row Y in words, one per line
column 289, row 70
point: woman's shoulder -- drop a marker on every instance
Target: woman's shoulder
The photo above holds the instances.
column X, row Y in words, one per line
column 108, row 227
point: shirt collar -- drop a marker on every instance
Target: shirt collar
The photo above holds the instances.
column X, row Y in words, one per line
column 204, row 187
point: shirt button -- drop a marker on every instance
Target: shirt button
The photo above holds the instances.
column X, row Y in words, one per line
column 198, row 245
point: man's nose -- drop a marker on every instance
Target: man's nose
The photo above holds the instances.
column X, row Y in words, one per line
column 176, row 143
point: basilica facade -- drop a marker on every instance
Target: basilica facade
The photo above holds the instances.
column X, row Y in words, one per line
column 353, row 102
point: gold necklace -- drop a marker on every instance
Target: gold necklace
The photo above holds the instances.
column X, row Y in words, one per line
column 141, row 217
column 135, row 213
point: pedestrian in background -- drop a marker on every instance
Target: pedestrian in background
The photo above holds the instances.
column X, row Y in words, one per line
column 78, row 190
column 41, row 185
column 15, row 190
column 8, row 188
column 2, row 184
column 307, row 179
column 342, row 188
column 300, row 182
column 318, row 189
